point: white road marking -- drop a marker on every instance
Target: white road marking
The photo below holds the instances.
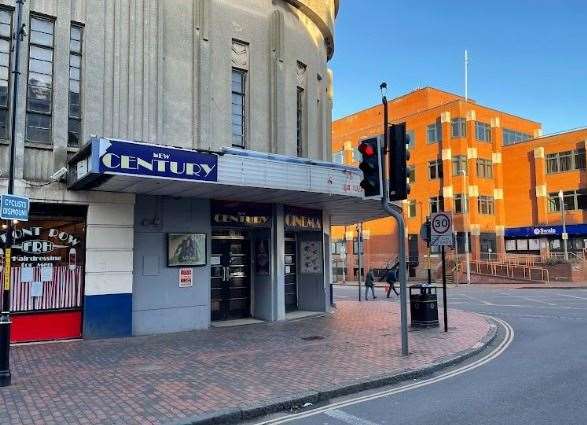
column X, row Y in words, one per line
column 477, row 300
column 480, row 362
column 347, row 418
column 571, row 296
column 533, row 300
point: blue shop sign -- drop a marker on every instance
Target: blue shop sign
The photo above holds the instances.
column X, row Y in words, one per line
column 14, row 207
column 147, row 160
column 538, row 231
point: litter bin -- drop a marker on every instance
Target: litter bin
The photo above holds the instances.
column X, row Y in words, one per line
column 423, row 306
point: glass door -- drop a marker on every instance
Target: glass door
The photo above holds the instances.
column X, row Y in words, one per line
column 231, row 284
column 291, row 287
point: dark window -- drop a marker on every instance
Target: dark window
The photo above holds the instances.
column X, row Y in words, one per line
column 434, row 132
column 411, row 134
column 485, row 205
column 459, row 128
column 459, row 164
column 461, row 242
column 484, row 168
column 580, row 159
column 75, row 71
column 300, row 122
column 482, row 131
column 435, row 169
column 239, row 81
column 5, row 48
column 40, row 81
column 412, row 173
column 436, row 204
column 511, row 137
column 460, row 204
column 412, row 209
column 573, row 200
column 565, row 161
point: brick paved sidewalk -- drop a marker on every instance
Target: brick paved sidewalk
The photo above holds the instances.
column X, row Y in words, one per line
column 161, row 379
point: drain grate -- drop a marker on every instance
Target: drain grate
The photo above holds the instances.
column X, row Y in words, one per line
column 313, row 338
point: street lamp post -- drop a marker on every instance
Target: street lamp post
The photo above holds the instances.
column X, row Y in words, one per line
column 5, row 322
column 564, row 235
column 466, row 211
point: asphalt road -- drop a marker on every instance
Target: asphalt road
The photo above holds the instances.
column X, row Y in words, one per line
column 540, row 379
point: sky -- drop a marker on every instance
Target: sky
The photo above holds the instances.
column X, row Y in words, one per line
column 526, row 57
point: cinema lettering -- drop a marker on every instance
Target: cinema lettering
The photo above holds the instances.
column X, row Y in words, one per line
column 121, row 157
column 302, row 219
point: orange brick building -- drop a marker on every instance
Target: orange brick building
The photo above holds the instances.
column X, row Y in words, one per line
column 492, row 170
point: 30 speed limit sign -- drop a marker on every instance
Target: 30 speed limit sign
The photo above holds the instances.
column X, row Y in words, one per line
column 441, row 229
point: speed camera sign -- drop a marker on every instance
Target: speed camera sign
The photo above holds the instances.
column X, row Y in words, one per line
column 441, row 229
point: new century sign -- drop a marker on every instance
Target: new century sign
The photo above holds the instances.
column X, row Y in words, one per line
column 147, row 160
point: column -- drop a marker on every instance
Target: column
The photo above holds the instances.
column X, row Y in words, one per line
column 497, row 143
column 447, row 187
column 472, row 189
column 278, row 274
column 109, row 268
column 541, row 190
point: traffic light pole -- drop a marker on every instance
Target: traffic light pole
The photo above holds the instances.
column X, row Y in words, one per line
column 396, row 212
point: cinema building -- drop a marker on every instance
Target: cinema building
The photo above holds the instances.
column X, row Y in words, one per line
column 199, row 184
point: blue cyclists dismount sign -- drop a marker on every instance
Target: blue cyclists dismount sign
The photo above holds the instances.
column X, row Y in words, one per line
column 14, row 207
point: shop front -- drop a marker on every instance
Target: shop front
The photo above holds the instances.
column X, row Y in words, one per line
column 537, row 240
column 304, row 258
column 47, row 276
column 220, row 236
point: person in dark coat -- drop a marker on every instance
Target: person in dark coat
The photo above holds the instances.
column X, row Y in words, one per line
column 369, row 284
column 391, row 277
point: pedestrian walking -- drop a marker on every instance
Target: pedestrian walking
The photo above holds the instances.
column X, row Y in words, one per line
column 391, row 278
column 369, row 284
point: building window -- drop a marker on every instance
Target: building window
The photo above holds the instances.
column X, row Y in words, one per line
column 435, row 169
column 486, row 205
column 511, row 137
column 338, row 157
column 436, row 204
column 434, row 132
column 482, row 131
column 411, row 138
column 239, row 102
column 5, row 48
column 75, row 72
column 40, row 81
column 461, row 242
column 459, row 164
column 412, row 208
column 459, row 128
column 412, row 173
column 573, row 199
column 565, row 161
column 484, row 168
column 300, row 122
column 460, row 204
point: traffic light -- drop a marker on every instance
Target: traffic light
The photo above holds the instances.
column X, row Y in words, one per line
column 399, row 187
column 371, row 166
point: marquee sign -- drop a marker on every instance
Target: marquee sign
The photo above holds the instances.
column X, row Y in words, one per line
column 147, row 160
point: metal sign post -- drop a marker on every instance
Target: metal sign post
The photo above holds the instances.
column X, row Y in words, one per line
column 441, row 234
